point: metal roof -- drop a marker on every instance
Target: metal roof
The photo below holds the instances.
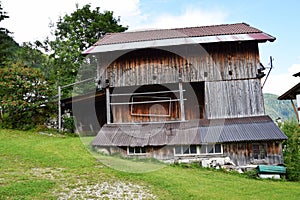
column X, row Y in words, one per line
column 178, row 36
column 260, row 128
column 291, row 93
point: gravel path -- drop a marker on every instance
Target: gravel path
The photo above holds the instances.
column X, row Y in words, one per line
column 84, row 190
column 105, row 190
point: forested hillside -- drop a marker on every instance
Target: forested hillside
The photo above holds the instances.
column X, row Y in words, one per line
column 278, row 109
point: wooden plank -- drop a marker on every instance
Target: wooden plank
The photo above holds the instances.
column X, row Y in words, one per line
column 147, row 102
column 108, row 117
column 182, row 110
column 143, row 93
column 295, row 110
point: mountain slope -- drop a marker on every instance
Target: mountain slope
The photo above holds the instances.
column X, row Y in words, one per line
column 278, row 109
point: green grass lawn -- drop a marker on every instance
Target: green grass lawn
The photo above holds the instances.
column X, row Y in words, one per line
column 35, row 166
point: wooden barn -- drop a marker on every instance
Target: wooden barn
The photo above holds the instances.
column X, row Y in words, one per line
column 186, row 93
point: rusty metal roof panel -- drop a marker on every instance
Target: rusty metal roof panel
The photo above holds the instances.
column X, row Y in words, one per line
column 260, row 128
column 251, row 131
column 201, row 31
column 178, row 36
column 104, row 137
column 185, row 137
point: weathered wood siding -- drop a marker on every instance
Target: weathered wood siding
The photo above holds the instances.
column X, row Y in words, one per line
column 211, row 100
column 235, row 98
column 229, row 71
column 242, row 153
column 209, row 62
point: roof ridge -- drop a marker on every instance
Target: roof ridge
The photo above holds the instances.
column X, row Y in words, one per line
column 179, row 28
column 214, row 25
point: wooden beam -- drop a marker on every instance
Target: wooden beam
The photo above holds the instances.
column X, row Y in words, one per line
column 108, row 105
column 142, row 93
column 181, row 100
column 147, row 102
column 298, row 105
column 295, row 110
column 59, row 108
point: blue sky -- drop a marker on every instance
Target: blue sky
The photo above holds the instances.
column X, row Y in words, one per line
column 29, row 21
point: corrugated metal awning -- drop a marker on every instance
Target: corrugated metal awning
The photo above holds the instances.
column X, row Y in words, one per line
column 260, row 128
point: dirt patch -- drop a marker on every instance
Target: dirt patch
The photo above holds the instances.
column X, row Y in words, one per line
column 82, row 189
column 105, row 190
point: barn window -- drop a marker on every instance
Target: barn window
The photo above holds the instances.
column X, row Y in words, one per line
column 136, row 150
column 185, row 150
column 211, row 149
column 259, row 151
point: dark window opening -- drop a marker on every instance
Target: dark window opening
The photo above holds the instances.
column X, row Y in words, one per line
column 186, row 149
column 218, row 148
column 193, row 149
column 259, row 151
column 211, row 149
column 136, row 150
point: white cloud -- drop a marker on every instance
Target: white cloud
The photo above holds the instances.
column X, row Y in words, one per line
column 295, row 68
column 280, row 83
column 29, row 20
column 189, row 17
column 128, row 10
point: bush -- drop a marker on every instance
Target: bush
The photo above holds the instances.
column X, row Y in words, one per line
column 291, row 149
column 24, row 97
column 251, row 174
column 69, row 123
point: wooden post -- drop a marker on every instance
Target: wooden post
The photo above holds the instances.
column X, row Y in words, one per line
column 298, row 104
column 281, row 153
column 108, row 105
column 59, row 108
column 181, row 100
column 295, row 110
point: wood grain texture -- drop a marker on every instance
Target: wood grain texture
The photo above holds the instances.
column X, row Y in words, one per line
column 221, row 61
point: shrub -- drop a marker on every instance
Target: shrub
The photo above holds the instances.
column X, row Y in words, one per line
column 24, row 96
column 291, row 149
column 69, row 124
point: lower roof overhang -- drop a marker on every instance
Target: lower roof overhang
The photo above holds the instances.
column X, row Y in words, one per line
column 197, row 132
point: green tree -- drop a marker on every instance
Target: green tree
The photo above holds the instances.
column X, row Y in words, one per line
column 30, row 55
column 23, row 90
column 73, row 34
column 3, row 15
column 291, row 149
column 24, row 94
column 7, row 43
column 8, row 47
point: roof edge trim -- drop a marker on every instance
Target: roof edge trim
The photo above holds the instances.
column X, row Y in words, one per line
column 259, row 37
